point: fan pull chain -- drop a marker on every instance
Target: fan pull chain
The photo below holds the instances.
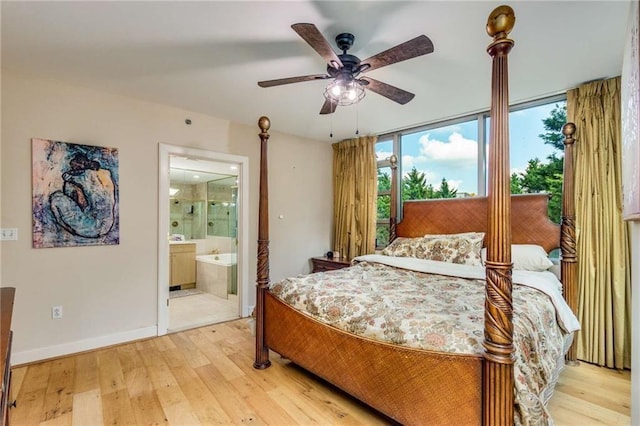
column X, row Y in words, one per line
column 357, row 120
column 331, row 134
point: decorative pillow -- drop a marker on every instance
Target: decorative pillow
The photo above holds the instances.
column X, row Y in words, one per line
column 527, row 257
column 453, row 248
column 403, row 247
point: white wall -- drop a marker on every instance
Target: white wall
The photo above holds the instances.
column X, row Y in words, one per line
column 300, row 189
column 109, row 293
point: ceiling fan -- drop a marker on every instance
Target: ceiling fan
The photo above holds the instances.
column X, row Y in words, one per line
column 347, row 87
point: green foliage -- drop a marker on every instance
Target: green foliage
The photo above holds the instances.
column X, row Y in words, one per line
column 553, row 125
column 384, row 206
column 414, row 186
column 382, row 235
column 384, row 181
column 445, row 191
column 516, row 184
column 384, row 201
column 546, row 177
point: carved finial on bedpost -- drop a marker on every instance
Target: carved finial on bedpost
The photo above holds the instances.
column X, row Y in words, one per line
column 264, row 123
column 497, row 373
column 500, row 23
column 569, row 258
column 262, row 351
column 393, row 214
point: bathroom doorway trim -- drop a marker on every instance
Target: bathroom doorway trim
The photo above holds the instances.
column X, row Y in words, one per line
column 165, row 153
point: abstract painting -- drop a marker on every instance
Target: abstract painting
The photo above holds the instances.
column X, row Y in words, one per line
column 75, row 194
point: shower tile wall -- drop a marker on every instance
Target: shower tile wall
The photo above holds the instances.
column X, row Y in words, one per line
column 186, row 211
column 221, row 211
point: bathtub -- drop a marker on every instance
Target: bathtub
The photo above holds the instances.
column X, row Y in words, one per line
column 217, row 274
column 222, row 259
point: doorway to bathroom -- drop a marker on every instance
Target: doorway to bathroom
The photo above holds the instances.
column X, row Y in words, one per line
column 202, row 238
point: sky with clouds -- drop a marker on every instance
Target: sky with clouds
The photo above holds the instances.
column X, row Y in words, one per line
column 451, row 152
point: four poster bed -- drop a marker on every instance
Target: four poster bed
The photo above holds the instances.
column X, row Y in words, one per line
column 418, row 341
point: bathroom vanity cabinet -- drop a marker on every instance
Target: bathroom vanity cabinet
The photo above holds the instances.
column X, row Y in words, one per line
column 182, row 265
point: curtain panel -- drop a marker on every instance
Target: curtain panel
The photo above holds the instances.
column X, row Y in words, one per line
column 354, row 196
column 604, row 269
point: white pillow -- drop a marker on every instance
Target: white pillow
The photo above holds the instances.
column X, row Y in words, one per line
column 528, row 257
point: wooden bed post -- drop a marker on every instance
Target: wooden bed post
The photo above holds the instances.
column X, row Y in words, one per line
column 569, row 258
column 497, row 373
column 262, row 351
column 393, row 201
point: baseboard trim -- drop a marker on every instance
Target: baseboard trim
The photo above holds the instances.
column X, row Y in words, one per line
column 41, row 354
column 249, row 311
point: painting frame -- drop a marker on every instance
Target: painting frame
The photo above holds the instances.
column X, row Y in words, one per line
column 75, row 194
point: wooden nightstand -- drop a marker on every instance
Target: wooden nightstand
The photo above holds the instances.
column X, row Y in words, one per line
column 323, row 263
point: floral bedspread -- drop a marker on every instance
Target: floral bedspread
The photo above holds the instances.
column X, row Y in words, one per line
column 436, row 312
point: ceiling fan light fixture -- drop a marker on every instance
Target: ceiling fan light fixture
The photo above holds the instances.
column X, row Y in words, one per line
column 344, row 68
column 342, row 92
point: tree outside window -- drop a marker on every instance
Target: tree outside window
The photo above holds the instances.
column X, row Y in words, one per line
column 443, row 161
column 545, row 175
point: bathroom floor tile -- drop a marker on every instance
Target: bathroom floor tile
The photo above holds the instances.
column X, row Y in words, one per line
column 201, row 309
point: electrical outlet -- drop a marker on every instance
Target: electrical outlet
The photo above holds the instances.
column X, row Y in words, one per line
column 56, row 312
column 9, row 234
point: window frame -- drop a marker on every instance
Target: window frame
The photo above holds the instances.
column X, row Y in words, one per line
column 380, row 164
column 481, row 118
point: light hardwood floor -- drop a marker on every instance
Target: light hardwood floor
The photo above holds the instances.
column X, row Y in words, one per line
column 205, row 376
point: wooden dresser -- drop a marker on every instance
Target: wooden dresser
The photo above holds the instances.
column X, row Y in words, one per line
column 323, row 263
column 6, row 311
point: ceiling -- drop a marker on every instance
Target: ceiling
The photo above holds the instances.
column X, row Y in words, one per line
column 207, row 56
column 190, row 171
column 194, row 177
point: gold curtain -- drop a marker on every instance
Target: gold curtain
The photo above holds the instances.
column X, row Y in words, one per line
column 355, row 189
column 604, row 275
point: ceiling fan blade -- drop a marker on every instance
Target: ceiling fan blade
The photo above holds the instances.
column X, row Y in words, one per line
column 315, row 39
column 280, row 81
column 328, row 107
column 388, row 91
column 418, row 46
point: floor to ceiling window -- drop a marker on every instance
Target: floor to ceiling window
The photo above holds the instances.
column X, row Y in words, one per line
column 449, row 159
